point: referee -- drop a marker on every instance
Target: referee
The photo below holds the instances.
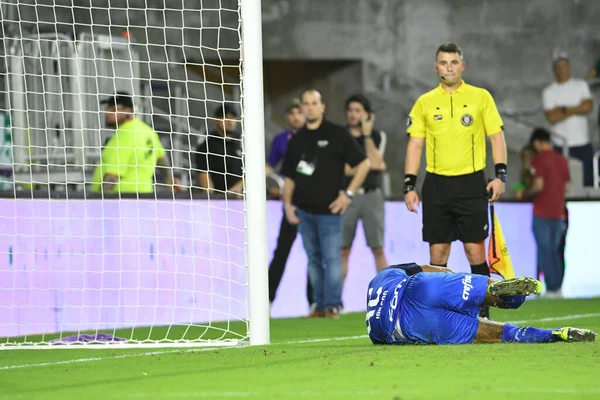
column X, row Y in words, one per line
column 454, row 120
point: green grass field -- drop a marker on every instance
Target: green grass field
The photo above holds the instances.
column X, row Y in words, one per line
column 324, row 359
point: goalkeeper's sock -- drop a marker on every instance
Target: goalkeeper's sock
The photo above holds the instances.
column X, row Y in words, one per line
column 513, row 301
column 480, row 269
column 527, row 334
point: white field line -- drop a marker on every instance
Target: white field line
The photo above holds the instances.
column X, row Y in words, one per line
column 153, row 353
column 203, row 349
column 550, row 319
column 348, row 393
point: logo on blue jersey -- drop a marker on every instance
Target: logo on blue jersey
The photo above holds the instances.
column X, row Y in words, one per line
column 467, row 286
column 394, row 302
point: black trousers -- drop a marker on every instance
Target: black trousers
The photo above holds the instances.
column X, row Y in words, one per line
column 287, row 236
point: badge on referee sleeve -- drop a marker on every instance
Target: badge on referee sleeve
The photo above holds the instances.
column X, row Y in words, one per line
column 498, row 257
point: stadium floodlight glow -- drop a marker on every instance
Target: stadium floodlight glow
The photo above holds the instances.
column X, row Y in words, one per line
column 177, row 267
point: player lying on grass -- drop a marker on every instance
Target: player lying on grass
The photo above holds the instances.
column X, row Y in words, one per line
column 409, row 303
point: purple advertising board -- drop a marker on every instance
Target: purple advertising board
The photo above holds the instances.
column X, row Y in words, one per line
column 79, row 265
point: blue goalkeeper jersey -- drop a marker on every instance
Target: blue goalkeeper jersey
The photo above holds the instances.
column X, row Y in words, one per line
column 384, row 297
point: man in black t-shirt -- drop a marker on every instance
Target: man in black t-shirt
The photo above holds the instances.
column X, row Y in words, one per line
column 315, row 197
column 219, row 158
column 368, row 204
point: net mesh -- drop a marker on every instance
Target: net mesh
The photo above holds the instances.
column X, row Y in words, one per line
column 157, row 256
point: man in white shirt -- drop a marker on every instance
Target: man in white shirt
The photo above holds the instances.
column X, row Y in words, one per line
column 566, row 104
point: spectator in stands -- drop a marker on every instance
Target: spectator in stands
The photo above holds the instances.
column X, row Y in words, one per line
column 522, row 191
column 131, row 155
column 567, row 103
column 219, row 158
column 550, row 174
column 368, row 204
column 295, row 120
column 287, row 231
column 315, row 198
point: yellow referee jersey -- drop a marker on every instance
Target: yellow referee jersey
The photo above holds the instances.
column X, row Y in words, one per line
column 454, row 127
column 131, row 153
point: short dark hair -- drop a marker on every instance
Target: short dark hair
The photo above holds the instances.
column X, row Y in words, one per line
column 225, row 109
column 540, row 134
column 119, row 99
column 449, row 48
column 359, row 98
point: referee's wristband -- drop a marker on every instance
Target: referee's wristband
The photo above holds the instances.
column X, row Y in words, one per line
column 410, row 181
column 501, row 172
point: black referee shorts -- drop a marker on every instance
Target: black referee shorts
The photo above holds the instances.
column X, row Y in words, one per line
column 455, row 208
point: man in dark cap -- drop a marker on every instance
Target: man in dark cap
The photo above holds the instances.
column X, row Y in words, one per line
column 131, row 155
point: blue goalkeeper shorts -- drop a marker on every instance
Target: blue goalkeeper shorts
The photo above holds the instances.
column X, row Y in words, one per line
column 440, row 308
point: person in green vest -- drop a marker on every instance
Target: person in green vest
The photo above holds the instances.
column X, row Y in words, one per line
column 131, row 155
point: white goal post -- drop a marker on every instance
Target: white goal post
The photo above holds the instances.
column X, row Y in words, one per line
column 145, row 255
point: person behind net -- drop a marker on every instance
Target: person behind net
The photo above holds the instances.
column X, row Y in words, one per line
column 219, row 157
column 369, row 203
column 315, row 198
column 287, row 231
column 424, row 304
column 131, row 155
column 454, row 120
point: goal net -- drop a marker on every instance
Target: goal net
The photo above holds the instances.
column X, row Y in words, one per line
column 125, row 207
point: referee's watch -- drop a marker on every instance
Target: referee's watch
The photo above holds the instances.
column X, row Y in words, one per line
column 349, row 194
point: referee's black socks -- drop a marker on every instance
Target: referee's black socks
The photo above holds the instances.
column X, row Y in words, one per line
column 480, row 269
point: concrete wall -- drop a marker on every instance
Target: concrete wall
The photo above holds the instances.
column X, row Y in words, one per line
column 508, row 45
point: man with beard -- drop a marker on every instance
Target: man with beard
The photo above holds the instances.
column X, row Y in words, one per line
column 219, row 158
column 131, row 155
column 315, row 197
column 368, row 204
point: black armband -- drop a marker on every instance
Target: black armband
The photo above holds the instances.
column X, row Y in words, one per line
column 501, row 172
column 410, row 181
column 410, row 268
